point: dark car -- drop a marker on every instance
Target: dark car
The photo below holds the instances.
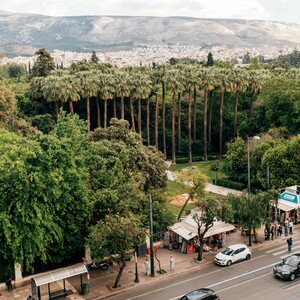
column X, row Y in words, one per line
column 201, row 294
column 289, row 268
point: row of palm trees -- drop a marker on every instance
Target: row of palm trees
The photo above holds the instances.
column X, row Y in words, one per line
column 138, row 84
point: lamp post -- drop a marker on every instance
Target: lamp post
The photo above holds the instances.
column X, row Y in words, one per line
column 249, row 185
column 136, row 280
column 151, row 238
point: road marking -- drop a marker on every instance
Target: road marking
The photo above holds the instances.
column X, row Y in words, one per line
column 280, row 252
column 281, row 247
column 246, row 281
column 292, row 287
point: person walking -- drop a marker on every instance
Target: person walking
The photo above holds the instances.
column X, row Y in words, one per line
column 146, row 263
column 172, row 263
column 9, row 284
column 286, row 230
column 290, row 244
column 291, row 226
column 272, row 232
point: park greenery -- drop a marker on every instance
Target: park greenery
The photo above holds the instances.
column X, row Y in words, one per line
column 82, row 147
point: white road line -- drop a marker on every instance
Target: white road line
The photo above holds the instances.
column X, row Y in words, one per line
column 285, row 250
column 281, row 247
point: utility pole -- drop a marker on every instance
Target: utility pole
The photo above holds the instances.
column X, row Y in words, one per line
column 151, row 238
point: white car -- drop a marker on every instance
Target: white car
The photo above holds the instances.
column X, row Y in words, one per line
column 232, row 254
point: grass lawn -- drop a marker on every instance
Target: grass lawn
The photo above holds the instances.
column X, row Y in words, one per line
column 174, row 189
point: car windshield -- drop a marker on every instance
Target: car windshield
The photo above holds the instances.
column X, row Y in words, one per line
column 227, row 251
column 291, row 261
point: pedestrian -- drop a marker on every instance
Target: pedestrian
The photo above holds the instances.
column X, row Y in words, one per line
column 272, row 232
column 179, row 242
column 290, row 244
column 291, row 226
column 172, row 263
column 29, row 298
column 279, row 230
column 9, row 284
column 146, row 263
column 286, row 230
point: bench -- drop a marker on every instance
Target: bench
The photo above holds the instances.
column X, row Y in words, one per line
column 57, row 294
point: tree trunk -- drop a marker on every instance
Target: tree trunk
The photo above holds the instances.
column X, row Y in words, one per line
column 156, row 121
column 98, row 113
column 164, row 120
column 131, row 113
column 183, row 207
column 190, row 126
column 173, row 129
column 71, row 107
column 195, row 114
column 210, row 117
column 179, row 124
column 200, row 253
column 88, row 115
column 139, row 117
column 148, row 122
column 105, row 113
column 115, row 107
column 235, row 114
column 159, row 266
column 205, row 125
column 221, row 126
column 120, row 271
column 56, row 109
column 122, row 108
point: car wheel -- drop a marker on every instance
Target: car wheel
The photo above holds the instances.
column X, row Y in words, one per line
column 292, row 277
column 248, row 256
column 229, row 263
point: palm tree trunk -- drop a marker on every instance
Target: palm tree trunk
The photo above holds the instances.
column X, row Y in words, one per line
column 71, row 107
column 179, row 124
column 139, row 117
column 115, row 107
column 131, row 113
column 98, row 113
column 205, row 126
column 190, row 126
column 235, row 114
column 156, row 121
column 105, row 113
column 210, row 116
column 56, row 109
column 195, row 112
column 148, row 122
column 164, row 120
column 221, row 125
column 88, row 115
column 173, row 129
column 122, row 107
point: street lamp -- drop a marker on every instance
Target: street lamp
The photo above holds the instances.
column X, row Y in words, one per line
column 151, row 237
column 249, row 187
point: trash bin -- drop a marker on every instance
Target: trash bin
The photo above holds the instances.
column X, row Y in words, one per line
column 83, row 288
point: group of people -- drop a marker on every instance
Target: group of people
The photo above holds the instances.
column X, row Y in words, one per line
column 147, row 265
column 285, row 228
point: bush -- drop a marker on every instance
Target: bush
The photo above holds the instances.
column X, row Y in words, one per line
column 230, row 184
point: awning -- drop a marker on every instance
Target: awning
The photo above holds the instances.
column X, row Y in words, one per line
column 183, row 231
column 219, row 228
column 285, row 207
column 59, row 274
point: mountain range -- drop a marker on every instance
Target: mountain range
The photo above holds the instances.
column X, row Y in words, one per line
column 23, row 34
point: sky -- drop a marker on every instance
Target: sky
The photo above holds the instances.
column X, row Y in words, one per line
column 273, row 10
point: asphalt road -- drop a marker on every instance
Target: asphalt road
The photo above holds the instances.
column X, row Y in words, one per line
column 251, row 279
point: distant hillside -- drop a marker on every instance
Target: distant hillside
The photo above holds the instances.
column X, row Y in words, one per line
column 22, row 34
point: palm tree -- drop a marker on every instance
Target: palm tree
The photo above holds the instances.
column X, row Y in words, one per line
column 223, row 84
column 51, row 88
column 174, row 84
column 88, row 89
column 70, row 90
column 35, row 90
column 142, row 90
column 122, row 87
column 106, row 91
column 240, row 84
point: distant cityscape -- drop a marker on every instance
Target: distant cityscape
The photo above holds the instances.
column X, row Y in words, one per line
column 158, row 54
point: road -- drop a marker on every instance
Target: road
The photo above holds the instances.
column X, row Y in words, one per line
column 251, row 279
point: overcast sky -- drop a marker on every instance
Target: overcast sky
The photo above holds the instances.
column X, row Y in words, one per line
column 275, row 10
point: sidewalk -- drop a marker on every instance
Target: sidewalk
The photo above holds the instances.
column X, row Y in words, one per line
column 102, row 281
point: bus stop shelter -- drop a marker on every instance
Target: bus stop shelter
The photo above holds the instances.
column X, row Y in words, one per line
column 57, row 275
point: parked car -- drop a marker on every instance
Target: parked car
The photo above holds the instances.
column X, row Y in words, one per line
column 201, row 294
column 289, row 268
column 232, row 254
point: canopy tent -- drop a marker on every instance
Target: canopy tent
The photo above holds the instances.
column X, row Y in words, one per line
column 56, row 275
column 285, row 206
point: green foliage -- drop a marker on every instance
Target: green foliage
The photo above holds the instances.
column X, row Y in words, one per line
column 44, row 123
column 15, row 71
column 43, row 65
column 230, row 184
column 94, row 57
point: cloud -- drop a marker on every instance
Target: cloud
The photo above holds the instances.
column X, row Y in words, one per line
column 241, row 9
